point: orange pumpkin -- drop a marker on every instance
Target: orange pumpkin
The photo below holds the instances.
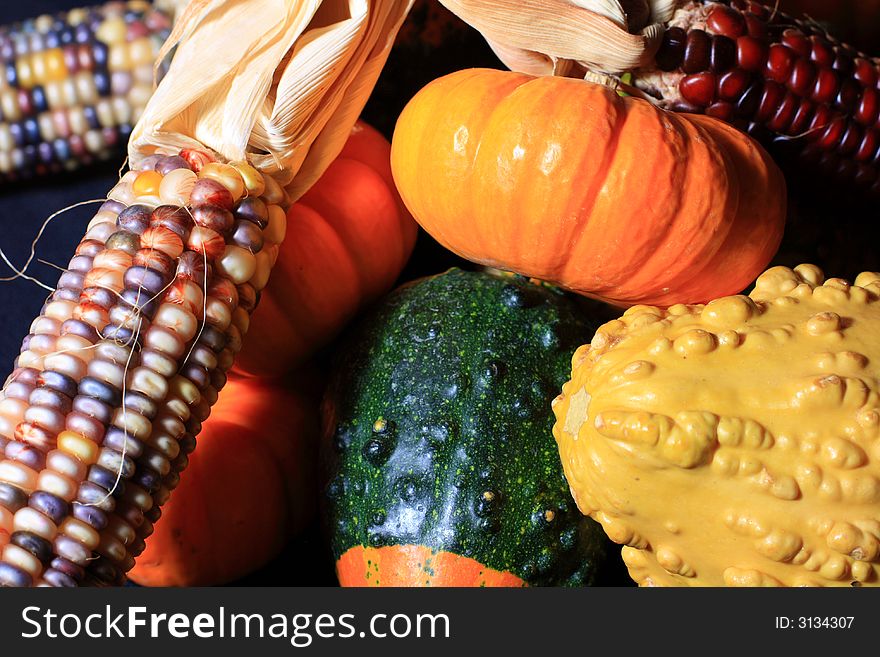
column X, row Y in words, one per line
column 250, row 486
column 569, row 182
column 348, row 238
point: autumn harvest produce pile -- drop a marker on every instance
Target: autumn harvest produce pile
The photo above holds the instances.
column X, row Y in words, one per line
column 605, row 376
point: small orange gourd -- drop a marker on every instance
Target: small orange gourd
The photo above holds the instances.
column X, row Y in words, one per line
column 348, row 238
column 569, row 182
column 249, row 487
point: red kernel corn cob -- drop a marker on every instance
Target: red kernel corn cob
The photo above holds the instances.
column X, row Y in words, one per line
column 124, row 363
column 74, row 84
column 776, row 77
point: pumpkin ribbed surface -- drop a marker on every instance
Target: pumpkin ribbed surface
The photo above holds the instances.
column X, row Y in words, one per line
column 568, row 182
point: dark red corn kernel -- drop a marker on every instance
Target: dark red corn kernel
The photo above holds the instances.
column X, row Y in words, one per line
column 848, row 95
column 213, row 217
column 843, row 64
column 865, row 73
column 191, row 266
column 755, row 27
column 174, row 218
column 797, row 41
column 671, row 51
column 826, row 86
column 750, row 54
column 846, row 169
column 833, row 133
column 722, row 55
column 852, row 138
column 802, row 78
column 698, row 89
column 770, row 101
column 726, row 21
column 696, row 52
column 780, row 61
column 721, row 110
column 865, row 175
column 822, row 53
column 757, row 9
column 868, row 148
column 820, row 121
column 827, row 162
column 211, row 192
column 733, row 84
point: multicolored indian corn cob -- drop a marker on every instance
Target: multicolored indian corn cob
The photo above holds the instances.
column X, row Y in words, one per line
column 124, row 363
column 779, row 78
column 73, row 85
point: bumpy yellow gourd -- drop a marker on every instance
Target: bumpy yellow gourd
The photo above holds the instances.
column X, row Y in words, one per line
column 735, row 443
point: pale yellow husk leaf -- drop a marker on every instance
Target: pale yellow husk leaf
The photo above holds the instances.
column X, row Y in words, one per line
column 277, row 83
column 556, row 37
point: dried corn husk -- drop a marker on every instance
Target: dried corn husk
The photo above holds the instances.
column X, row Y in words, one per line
column 559, row 37
column 277, row 83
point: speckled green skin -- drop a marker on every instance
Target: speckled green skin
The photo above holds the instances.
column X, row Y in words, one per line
column 437, row 426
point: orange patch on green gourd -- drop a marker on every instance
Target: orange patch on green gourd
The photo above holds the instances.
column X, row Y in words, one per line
column 416, row 565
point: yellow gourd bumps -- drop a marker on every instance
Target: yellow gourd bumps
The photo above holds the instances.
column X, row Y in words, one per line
column 735, row 443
